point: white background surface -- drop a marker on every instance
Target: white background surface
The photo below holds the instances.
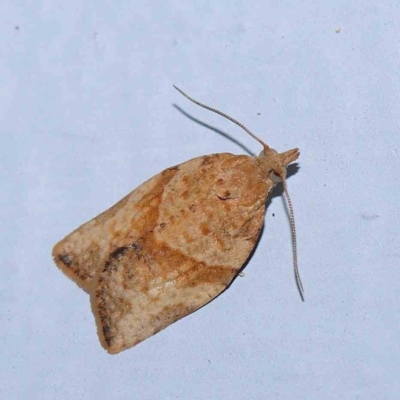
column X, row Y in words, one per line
column 86, row 108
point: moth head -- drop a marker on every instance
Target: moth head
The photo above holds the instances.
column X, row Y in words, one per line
column 276, row 163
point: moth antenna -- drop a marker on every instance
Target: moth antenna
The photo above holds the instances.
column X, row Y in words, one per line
column 294, row 240
column 223, row 115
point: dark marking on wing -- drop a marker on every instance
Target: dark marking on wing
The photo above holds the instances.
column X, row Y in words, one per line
column 65, row 259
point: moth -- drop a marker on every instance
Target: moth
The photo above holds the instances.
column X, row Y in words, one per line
column 174, row 243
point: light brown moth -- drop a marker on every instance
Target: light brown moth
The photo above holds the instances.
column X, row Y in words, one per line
column 174, row 243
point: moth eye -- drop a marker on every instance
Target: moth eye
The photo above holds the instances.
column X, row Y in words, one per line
column 262, row 154
column 275, row 177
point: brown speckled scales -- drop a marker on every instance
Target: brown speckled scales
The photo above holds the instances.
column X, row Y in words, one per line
column 170, row 246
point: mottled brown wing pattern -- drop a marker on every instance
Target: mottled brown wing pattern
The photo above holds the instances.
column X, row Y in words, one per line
column 82, row 252
column 190, row 256
column 169, row 247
